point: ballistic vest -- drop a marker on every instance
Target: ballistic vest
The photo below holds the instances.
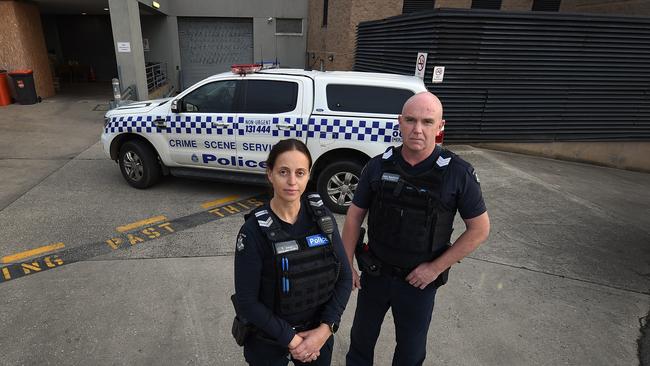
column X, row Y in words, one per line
column 407, row 224
column 303, row 271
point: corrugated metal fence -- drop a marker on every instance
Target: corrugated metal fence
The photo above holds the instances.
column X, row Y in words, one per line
column 524, row 76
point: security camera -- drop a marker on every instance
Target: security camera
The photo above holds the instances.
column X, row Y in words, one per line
column 269, row 19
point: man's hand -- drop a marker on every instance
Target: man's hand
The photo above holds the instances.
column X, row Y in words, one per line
column 477, row 230
column 313, row 340
column 295, row 341
column 356, row 280
column 423, row 275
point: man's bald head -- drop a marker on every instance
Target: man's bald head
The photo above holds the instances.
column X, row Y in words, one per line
column 426, row 101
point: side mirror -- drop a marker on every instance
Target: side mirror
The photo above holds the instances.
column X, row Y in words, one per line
column 175, row 106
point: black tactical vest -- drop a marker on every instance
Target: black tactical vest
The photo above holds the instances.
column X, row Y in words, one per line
column 303, row 271
column 407, row 225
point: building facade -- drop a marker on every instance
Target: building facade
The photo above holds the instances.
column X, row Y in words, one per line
column 155, row 46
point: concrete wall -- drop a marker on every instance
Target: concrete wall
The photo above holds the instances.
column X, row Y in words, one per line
column 125, row 22
column 622, row 155
column 162, row 33
column 288, row 50
column 23, row 44
column 333, row 46
column 239, row 9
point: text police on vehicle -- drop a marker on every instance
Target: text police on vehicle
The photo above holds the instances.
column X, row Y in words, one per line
column 228, row 122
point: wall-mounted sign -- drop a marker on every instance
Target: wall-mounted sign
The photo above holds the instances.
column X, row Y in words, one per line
column 420, row 65
column 438, row 74
column 123, row 46
column 145, row 44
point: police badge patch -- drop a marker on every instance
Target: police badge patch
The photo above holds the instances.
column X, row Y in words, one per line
column 476, row 176
column 240, row 242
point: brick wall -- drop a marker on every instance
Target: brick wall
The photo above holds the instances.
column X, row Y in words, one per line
column 22, row 43
column 637, row 8
column 334, row 45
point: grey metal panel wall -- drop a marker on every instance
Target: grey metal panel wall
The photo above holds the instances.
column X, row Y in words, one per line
column 524, row 76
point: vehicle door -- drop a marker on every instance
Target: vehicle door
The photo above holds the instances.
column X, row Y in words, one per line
column 273, row 109
column 203, row 131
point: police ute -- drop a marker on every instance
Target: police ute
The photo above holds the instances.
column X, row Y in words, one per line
column 223, row 127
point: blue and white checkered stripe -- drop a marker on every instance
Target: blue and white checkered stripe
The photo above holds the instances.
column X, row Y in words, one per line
column 334, row 128
column 323, row 128
column 188, row 125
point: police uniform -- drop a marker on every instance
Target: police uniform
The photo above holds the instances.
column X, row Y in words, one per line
column 289, row 278
column 410, row 218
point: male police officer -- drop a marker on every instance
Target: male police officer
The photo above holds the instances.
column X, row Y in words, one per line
column 412, row 193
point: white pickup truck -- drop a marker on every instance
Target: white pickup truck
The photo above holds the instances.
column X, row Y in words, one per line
column 223, row 127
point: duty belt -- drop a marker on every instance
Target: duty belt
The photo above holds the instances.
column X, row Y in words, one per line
column 393, row 271
column 306, row 326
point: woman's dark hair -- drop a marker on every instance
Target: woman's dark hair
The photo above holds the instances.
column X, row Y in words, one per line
column 284, row 146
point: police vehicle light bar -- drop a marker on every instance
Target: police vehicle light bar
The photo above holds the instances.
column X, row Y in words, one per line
column 243, row 69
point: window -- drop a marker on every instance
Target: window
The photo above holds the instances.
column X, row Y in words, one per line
column 414, row 6
column 486, row 4
column 269, row 96
column 217, row 97
column 366, row 99
column 325, row 6
column 288, row 26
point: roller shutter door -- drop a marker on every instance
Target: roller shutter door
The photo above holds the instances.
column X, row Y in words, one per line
column 210, row 45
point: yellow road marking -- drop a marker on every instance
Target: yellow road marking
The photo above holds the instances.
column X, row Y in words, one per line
column 30, row 253
column 137, row 224
column 218, row 202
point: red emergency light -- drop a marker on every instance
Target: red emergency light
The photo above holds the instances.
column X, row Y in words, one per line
column 243, row 69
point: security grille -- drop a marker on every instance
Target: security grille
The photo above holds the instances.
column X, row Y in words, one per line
column 523, row 76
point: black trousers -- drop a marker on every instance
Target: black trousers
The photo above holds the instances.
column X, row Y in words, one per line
column 412, row 309
column 260, row 352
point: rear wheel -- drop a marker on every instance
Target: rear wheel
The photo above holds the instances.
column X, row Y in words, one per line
column 139, row 164
column 337, row 183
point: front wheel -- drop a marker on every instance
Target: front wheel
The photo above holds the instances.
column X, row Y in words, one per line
column 139, row 164
column 337, row 183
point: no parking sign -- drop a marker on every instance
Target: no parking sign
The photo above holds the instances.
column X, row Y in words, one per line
column 420, row 65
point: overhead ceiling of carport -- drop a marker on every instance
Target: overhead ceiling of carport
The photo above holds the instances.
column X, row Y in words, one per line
column 90, row 7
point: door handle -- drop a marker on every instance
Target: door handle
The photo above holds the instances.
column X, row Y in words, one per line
column 286, row 126
column 219, row 124
column 160, row 123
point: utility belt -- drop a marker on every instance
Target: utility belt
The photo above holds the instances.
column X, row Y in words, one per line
column 401, row 273
column 242, row 330
column 373, row 266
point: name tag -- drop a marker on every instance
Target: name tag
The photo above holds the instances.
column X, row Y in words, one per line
column 317, row 240
column 389, row 177
column 286, row 246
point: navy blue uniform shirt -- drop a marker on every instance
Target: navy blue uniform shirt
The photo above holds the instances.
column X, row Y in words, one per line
column 251, row 255
column 460, row 188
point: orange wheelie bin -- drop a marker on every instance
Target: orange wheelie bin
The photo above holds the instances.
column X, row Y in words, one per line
column 5, row 94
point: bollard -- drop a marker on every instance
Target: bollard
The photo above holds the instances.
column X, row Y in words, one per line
column 116, row 91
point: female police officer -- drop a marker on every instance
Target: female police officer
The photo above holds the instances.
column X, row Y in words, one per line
column 292, row 281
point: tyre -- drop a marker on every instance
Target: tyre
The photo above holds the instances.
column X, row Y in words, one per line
column 336, row 184
column 139, row 164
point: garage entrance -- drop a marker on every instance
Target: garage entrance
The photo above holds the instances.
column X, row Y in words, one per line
column 210, row 45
